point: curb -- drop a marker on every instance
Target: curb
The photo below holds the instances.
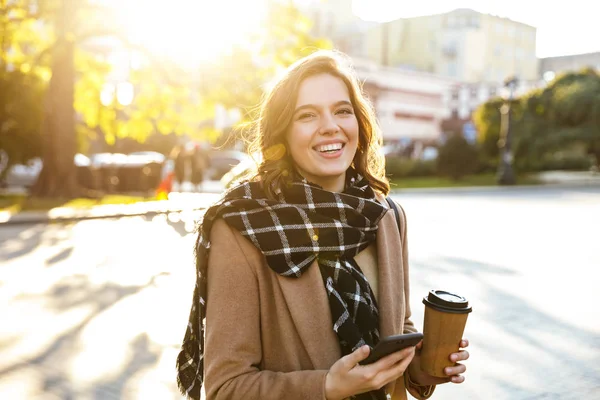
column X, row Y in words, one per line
column 67, row 214
column 495, row 188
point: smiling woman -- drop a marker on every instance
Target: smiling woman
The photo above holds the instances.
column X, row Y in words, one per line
column 190, row 32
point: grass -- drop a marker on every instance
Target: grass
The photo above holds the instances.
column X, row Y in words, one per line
column 16, row 202
column 473, row 180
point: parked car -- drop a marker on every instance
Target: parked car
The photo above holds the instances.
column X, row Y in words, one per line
column 135, row 172
column 25, row 175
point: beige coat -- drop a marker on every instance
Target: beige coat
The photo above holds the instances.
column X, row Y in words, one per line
column 271, row 337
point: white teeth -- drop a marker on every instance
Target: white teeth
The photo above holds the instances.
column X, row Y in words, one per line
column 329, row 147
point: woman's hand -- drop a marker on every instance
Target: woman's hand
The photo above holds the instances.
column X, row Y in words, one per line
column 347, row 378
column 454, row 373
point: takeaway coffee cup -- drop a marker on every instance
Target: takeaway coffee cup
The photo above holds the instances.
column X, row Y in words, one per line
column 445, row 319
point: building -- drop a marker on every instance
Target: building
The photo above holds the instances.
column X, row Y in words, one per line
column 552, row 66
column 409, row 104
column 462, row 44
column 463, row 98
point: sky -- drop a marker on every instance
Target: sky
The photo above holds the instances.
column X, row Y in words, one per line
column 563, row 27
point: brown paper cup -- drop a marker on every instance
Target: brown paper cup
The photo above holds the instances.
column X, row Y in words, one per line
column 445, row 319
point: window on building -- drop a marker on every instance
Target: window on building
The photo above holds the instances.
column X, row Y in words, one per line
column 498, row 50
column 474, row 21
column 452, row 69
column 451, row 21
column 519, row 53
column 510, row 30
column 499, row 28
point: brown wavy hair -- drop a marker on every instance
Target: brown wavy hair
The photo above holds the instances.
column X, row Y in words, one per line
column 275, row 119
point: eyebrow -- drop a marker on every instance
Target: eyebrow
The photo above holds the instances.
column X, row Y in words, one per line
column 336, row 104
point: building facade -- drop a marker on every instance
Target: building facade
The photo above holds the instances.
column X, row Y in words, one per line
column 409, row 104
column 462, row 44
column 552, row 66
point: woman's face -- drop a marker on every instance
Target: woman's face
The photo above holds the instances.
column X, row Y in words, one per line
column 323, row 137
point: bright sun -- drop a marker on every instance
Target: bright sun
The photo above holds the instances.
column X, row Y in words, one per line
column 190, row 32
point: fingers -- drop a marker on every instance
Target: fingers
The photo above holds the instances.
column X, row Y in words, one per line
column 460, row 356
column 355, row 357
column 455, row 370
column 397, row 370
column 464, row 343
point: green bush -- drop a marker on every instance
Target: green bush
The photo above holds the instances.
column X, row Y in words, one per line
column 557, row 163
column 457, row 158
column 398, row 167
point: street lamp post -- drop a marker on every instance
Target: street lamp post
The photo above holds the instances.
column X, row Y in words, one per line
column 506, row 174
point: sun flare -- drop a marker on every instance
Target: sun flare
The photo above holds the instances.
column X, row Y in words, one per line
column 190, row 32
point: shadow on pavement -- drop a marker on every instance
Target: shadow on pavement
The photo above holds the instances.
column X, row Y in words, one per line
column 18, row 241
column 540, row 340
column 61, row 256
column 143, row 355
column 55, row 360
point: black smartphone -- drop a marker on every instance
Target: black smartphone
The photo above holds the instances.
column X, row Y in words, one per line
column 392, row 344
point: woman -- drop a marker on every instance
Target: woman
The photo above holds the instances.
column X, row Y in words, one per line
column 306, row 267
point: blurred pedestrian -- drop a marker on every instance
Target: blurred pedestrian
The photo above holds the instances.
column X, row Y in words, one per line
column 302, row 267
column 199, row 164
column 179, row 157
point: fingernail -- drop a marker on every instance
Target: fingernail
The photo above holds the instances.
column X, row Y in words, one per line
column 448, row 371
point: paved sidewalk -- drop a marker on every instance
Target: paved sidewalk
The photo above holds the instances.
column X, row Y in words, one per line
column 212, row 190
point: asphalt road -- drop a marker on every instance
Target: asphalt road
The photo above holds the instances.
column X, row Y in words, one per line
column 97, row 309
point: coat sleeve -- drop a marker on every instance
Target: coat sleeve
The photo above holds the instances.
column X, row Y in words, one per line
column 417, row 391
column 233, row 335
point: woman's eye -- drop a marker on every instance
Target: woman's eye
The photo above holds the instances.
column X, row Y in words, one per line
column 346, row 111
column 305, row 116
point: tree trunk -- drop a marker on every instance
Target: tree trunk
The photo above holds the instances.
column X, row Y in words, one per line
column 58, row 178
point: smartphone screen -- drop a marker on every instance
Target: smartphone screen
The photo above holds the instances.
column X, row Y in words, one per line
column 392, row 344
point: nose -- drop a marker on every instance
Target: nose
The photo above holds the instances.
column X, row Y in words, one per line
column 328, row 124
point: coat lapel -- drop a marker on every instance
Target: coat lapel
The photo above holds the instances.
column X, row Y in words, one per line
column 390, row 278
column 307, row 301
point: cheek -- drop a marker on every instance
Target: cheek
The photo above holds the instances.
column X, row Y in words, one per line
column 300, row 138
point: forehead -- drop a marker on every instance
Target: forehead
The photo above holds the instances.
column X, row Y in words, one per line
column 322, row 89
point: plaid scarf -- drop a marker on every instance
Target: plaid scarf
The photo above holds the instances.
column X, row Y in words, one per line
column 305, row 223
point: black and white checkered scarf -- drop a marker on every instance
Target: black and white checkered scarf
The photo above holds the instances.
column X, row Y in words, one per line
column 305, row 223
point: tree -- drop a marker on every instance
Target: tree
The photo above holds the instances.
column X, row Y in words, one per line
column 20, row 117
column 167, row 99
column 22, row 87
column 560, row 116
column 456, row 158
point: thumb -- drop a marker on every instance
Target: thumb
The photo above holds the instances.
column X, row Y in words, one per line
column 356, row 356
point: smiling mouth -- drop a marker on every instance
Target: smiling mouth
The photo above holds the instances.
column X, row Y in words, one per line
column 330, row 148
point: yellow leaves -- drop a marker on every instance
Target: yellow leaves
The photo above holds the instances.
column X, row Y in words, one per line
column 110, row 138
column 165, row 127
